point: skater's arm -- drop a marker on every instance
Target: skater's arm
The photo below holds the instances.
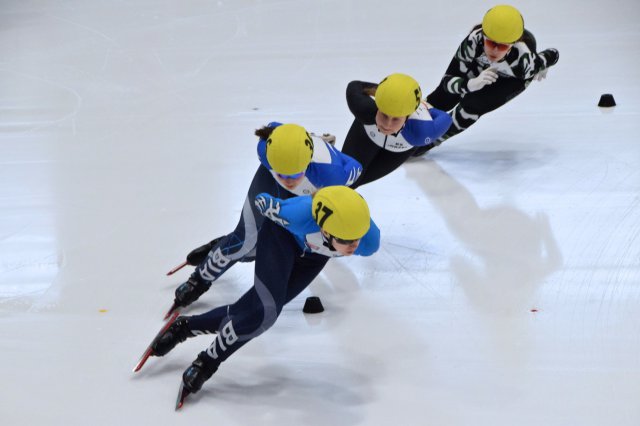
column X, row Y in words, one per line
column 360, row 102
column 350, row 169
column 370, row 243
column 294, row 214
column 426, row 126
column 343, row 170
column 331, row 167
column 533, row 63
column 455, row 78
column 262, row 147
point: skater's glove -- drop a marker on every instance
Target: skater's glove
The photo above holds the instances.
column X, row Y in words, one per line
column 541, row 75
column 327, row 137
column 270, row 208
column 262, row 204
column 486, row 77
column 551, row 56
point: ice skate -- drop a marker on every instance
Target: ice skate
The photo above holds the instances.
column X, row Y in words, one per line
column 187, row 293
column 194, row 377
column 149, row 351
column 196, row 256
column 199, row 372
column 178, row 332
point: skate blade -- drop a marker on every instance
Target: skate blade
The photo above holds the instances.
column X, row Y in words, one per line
column 143, row 359
column 171, row 311
column 147, row 353
column 182, row 394
column 177, row 268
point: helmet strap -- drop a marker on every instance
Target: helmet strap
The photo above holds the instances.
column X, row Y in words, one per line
column 328, row 240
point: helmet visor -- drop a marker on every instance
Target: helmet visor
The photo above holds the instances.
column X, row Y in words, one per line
column 345, row 242
column 502, row 47
column 294, row 176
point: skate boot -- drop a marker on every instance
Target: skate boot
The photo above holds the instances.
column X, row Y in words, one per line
column 190, row 291
column 199, row 372
column 176, row 333
column 198, row 255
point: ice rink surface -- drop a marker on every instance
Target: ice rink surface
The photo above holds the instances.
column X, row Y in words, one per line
column 507, row 287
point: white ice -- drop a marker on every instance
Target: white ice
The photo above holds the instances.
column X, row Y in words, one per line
column 507, row 287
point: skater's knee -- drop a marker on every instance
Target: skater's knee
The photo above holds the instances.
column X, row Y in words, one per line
column 270, row 316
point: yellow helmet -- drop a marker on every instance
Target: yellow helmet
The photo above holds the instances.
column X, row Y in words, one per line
column 398, row 95
column 503, row 24
column 289, row 149
column 342, row 212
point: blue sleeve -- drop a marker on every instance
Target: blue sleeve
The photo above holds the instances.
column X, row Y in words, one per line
column 370, row 243
column 343, row 170
column 351, row 169
column 424, row 132
column 262, row 153
column 441, row 121
column 262, row 147
column 293, row 214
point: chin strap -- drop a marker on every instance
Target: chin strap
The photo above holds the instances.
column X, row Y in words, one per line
column 328, row 242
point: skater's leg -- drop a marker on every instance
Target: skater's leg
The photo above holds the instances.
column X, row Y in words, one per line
column 234, row 247
column 305, row 270
column 258, row 308
column 384, row 163
column 254, row 313
column 475, row 104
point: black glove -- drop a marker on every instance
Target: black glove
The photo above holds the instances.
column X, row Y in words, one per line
column 551, row 56
column 198, row 255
